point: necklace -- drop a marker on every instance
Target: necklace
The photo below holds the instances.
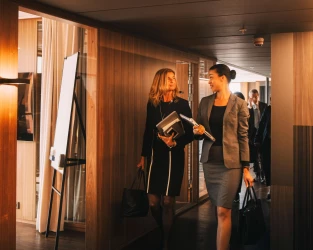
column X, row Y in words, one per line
column 160, row 104
column 162, row 116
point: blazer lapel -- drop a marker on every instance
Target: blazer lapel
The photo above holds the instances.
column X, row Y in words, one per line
column 230, row 104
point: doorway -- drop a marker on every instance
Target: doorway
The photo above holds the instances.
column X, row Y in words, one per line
column 43, row 45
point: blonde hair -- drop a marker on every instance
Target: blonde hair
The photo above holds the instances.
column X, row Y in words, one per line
column 159, row 87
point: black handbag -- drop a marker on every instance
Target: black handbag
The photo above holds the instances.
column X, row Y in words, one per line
column 251, row 218
column 135, row 202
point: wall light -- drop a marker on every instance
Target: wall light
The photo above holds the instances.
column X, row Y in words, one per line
column 8, row 102
column 8, row 116
column 8, row 148
column 14, row 81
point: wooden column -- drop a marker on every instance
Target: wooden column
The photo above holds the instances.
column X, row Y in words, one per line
column 93, row 234
column 303, row 140
column 8, row 123
column 292, row 141
column 282, row 142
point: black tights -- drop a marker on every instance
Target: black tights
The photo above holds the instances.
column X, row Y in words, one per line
column 163, row 215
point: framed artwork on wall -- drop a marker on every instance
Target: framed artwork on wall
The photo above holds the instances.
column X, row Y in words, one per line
column 25, row 122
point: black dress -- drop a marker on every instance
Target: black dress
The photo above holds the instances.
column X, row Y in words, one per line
column 165, row 165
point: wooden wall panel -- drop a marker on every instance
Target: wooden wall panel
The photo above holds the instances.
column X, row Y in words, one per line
column 292, row 143
column 281, row 217
column 303, row 140
column 303, row 78
column 8, row 69
column 27, row 43
column 26, row 181
column 244, row 89
column 8, row 126
column 127, row 66
column 254, row 85
column 282, row 210
column 8, row 39
column 93, row 233
column 303, row 160
column 283, row 109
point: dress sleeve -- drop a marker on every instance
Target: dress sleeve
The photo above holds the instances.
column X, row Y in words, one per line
column 148, row 134
column 188, row 136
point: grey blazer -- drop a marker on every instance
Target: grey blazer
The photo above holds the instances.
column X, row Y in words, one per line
column 235, row 130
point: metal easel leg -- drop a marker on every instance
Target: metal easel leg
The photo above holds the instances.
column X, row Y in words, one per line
column 50, row 205
column 60, row 210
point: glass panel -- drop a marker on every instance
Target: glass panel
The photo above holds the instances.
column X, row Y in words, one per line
column 37, row 88
column 204, row 90
column 28, row 132
column 184, row 82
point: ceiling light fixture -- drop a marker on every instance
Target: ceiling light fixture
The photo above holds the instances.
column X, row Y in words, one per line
column 243, row 30
column 258, row 41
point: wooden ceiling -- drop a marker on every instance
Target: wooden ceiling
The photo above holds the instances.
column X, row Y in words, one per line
column 209, row 28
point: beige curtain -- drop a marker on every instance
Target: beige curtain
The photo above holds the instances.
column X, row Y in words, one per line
column 59, row 41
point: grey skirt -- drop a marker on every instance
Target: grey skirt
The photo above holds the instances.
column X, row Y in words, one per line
column 221, row 182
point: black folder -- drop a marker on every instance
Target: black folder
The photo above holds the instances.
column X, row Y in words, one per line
column 171, row 124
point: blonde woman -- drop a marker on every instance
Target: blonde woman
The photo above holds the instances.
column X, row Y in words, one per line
column 165, row 155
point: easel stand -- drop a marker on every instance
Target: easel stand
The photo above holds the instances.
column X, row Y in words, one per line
column 65, row 162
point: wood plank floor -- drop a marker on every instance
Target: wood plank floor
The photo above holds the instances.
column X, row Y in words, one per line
column 27, row 238
column 196, row 229
column 193, row 230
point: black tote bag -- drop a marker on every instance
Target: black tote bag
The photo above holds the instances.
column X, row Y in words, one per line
column 135, row 201
column 251, row 218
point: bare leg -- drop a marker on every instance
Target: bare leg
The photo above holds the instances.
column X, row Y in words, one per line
column 168, row 216
column 223, row 228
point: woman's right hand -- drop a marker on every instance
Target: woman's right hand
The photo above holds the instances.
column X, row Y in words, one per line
column 141, row 164
column 250, row 102
column 247, row 177
column 198, row 130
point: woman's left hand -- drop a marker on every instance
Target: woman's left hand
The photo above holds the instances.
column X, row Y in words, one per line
column 247, row 177
column 168, row 140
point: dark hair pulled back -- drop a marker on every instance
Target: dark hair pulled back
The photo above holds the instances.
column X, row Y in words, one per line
column 223, row 70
